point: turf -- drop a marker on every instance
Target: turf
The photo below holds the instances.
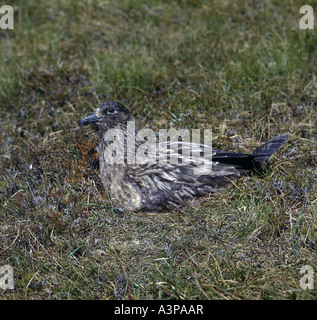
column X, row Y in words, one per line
column 243, row 69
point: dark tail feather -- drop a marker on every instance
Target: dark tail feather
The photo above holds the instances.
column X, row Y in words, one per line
column 267, row 149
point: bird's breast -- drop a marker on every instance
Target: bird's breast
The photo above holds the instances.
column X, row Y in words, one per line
column 122, row 191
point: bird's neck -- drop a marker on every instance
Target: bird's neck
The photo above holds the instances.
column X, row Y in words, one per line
column 118, row 145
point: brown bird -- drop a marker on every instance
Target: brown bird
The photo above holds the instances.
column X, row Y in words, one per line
column 141, row 174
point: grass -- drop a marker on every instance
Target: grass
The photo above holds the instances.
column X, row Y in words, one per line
column 243, row 69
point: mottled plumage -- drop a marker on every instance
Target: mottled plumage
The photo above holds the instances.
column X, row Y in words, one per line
column 171, row 173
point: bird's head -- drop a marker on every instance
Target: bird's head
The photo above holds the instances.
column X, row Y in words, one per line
column 108, row 115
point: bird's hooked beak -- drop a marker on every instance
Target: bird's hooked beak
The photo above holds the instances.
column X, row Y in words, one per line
column 91, row 118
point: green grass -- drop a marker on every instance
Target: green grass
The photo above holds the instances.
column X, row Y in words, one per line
column 243, row 69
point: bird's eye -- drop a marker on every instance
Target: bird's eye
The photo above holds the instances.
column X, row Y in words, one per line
column 112, row 111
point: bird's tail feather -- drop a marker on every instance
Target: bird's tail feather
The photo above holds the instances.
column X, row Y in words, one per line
column 266, row 150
